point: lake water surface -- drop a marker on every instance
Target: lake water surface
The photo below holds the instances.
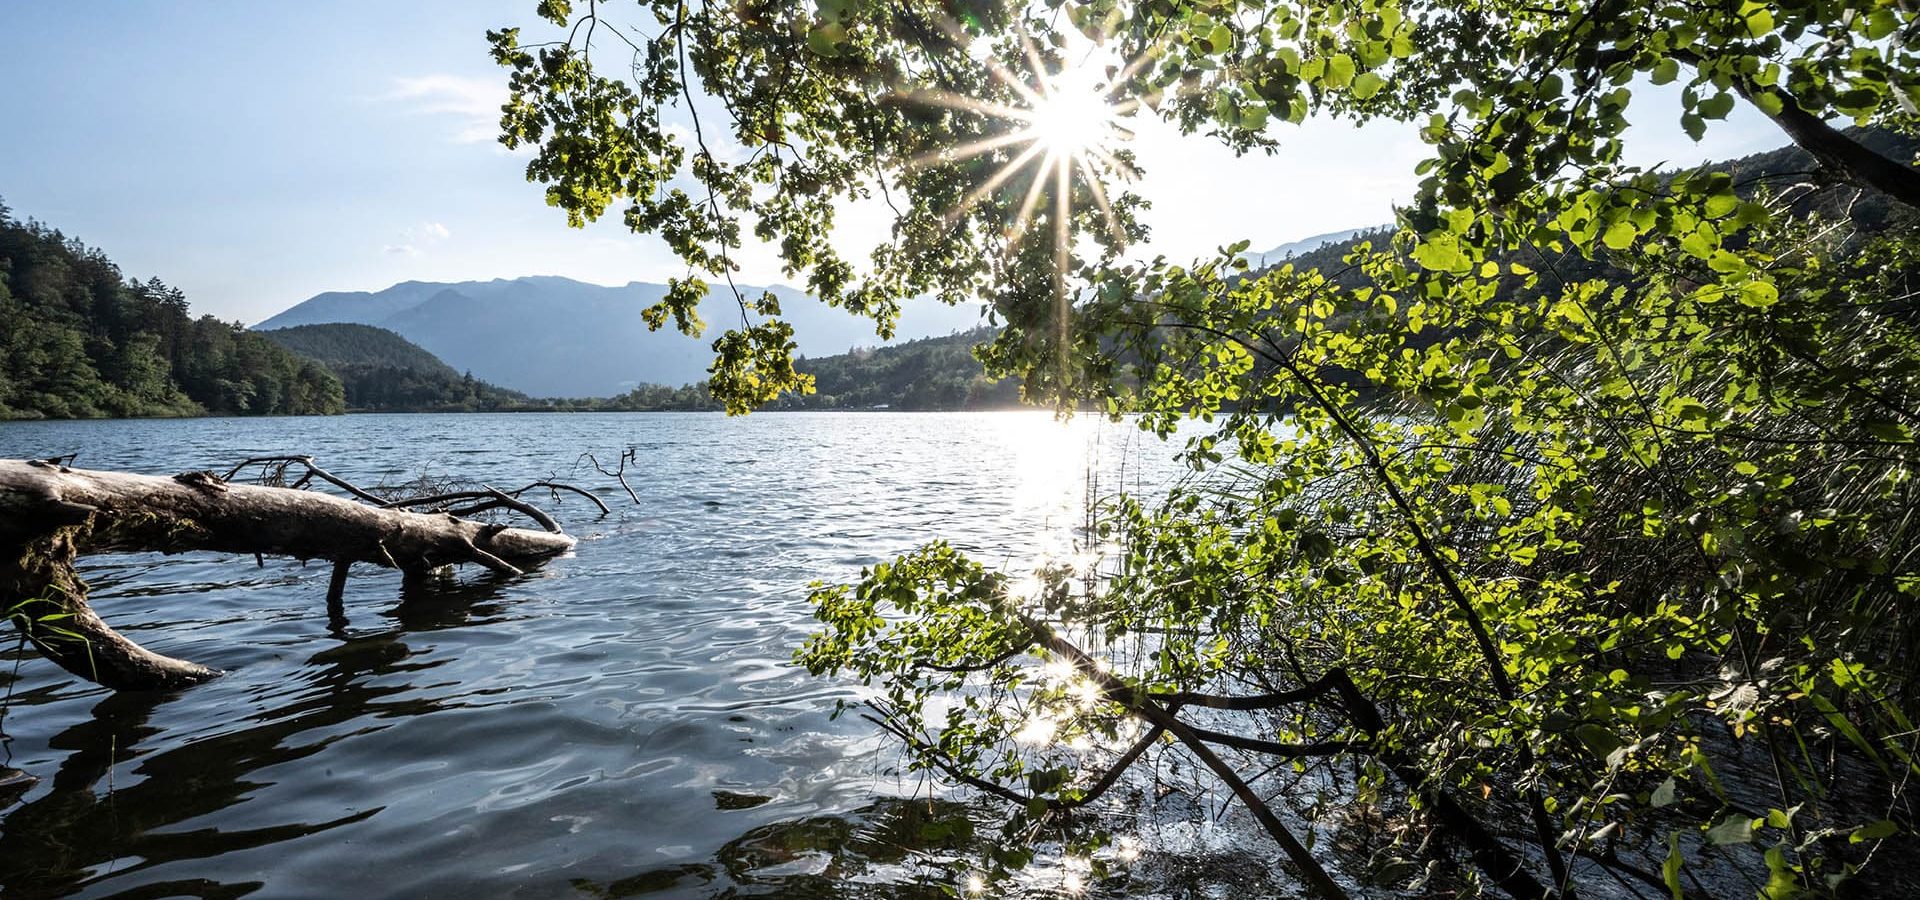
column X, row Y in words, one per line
column 624, row 721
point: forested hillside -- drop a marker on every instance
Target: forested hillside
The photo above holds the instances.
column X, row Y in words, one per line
column 78, row 339
column 930, row 373
column 348, row 344
column 384, row 372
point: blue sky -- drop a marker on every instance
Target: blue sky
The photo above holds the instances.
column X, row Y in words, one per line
column 255, row 154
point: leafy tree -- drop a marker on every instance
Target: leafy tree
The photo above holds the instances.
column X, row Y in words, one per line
column 77, row 339
column 1585, row 485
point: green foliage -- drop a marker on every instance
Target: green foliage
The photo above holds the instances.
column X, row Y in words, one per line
column 78, row 340
column 930, row 373
column 1586, row 483
column 381, row 371
column 336, row 344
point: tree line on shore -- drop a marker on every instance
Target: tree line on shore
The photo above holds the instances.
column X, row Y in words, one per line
column 79, row 339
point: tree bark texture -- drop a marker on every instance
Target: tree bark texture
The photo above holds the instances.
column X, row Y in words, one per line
column 51, row 514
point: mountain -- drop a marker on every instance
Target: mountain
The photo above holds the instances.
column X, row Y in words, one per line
column 345, row 344
column 78, row 339
column 384, row 372
column 1303, row 246
column 557, row 337
column 930, row 373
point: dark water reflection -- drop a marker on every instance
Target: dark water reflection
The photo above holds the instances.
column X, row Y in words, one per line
column 623, row 722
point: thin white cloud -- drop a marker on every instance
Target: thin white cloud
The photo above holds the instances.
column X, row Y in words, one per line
column 473, row 103
column 415, row 239
column 429, row 232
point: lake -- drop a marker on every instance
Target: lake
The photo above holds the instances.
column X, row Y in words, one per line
column 624, row 721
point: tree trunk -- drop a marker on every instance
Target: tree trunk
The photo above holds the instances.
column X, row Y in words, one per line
column 51, row 514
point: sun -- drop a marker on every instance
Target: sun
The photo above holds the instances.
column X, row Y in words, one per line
column 1071, row 116
column 1064, row 126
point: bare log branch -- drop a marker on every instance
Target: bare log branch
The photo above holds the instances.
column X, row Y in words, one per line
column 631, row 454
column 487, row 493
column 313, row 471
column 49, row 515
column 525, row 509
column 557, row 486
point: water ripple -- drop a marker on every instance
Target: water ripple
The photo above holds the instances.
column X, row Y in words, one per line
column 560, row 734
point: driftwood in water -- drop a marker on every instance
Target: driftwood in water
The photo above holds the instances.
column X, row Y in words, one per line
column 51, row 514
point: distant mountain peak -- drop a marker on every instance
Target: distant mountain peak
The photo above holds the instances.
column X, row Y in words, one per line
column 554, row 336
column 1291, row 249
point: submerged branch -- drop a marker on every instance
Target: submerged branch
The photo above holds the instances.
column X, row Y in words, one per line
column 51, row 514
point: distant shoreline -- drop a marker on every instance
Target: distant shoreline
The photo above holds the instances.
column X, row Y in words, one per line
column 535, row 411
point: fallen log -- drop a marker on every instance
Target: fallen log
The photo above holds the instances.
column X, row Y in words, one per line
column 51, row 514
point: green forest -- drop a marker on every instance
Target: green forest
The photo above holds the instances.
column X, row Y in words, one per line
column 383, row 372
column 79, row 339
column 933, row 373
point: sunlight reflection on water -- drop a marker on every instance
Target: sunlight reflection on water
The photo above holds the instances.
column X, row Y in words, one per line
column 623, row 721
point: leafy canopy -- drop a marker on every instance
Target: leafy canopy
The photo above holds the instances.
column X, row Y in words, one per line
column 1523, row 512
column 819, row 105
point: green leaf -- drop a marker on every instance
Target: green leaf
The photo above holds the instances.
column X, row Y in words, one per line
column 1664, row 794
column 1670, row 869
column 1599, row 740
column 1735, row 830
column 1666, row 70
column 1726, row 262
column 1441, row 254
column 1220, row 39
column 1782, row 884
column 826, row 39
column 1885, row 828
column 1339, row 70
column 1620, row 235
column 1716, row 106
column 1695, row 126
column 1366, row 84
column 1759, row 294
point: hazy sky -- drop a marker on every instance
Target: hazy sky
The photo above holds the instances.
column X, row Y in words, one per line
column 255, row 154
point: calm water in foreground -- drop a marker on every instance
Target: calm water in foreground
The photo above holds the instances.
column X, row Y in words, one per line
column 623, row 722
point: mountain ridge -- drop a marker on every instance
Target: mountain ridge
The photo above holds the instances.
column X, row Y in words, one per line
column 549, row 335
